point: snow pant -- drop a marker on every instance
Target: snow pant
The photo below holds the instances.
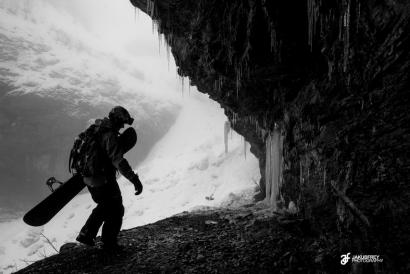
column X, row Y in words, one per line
column 108, row 213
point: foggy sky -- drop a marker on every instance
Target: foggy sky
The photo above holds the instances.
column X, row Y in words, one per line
column 95, row 52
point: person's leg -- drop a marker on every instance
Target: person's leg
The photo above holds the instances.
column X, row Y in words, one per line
column 90, row 229
column 113, row 216
column 112, row 224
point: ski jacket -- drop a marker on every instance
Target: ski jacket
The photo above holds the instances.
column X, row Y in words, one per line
column 114, row 156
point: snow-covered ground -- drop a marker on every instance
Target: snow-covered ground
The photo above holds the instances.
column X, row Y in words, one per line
column 188, row 168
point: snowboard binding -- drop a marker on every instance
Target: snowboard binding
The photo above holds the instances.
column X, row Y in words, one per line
column 50, row 181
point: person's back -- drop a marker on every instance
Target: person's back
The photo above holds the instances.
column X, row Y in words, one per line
column 111, row 159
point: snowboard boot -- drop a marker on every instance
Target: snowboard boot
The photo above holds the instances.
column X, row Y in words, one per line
column 82, row 238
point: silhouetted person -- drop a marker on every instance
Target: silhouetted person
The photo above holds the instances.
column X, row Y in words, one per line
column 103, row 187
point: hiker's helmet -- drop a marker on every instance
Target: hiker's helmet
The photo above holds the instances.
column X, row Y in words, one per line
column 119, row 115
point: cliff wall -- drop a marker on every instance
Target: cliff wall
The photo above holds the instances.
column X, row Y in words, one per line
column 325, row 85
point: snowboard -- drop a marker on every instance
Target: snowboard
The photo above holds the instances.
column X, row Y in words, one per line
column 44, row 211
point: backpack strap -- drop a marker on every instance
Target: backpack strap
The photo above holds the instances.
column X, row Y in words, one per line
column 77, row 143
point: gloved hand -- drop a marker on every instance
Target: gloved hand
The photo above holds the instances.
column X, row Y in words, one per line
column 137, row 184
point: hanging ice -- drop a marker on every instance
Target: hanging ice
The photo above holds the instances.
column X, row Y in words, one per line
column 313, row 14
column 346, row 40
column 227, row 128
column 150, row 8
column 273, row 167
column 182, row 84
column 238, row 80
column 244, row 147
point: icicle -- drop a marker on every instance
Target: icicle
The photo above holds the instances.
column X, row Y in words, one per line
column 237, row 86
column 159, row 43
column 168, row 49
column 236, row 118
column 227, row 128
column 182, row 84
column 257, row 130
column 310, row 25
column 268, row 168
column 150, row 8
column 271, row 30
column 238, row 80
column 220, row 83
column 346, row 24
column 313, row 13
column 321, row 26
column 264, row 132
column 151, row 13
column 273, row 167
column 244, row 147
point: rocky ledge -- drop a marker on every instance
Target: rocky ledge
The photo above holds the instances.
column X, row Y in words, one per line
column 250, row 239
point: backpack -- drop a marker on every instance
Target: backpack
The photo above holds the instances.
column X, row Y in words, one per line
column 87, row 155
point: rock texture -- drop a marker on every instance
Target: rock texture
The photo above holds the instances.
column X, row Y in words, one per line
column 214, row 241
column 333, row 77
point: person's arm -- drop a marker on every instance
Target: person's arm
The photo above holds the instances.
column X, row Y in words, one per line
column 116, row 155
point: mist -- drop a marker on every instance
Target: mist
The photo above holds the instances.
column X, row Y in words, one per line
column 63, row 63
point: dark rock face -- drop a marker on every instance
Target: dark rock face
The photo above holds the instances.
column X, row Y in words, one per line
column 216, row 241
column 333, row 76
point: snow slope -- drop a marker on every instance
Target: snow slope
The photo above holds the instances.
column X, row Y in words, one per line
column 57, row 71
column 47, row 51
column 188, row 168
